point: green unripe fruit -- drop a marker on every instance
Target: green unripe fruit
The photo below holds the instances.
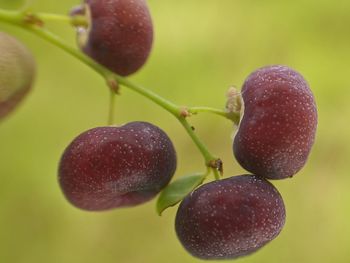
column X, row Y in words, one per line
column 17, row 72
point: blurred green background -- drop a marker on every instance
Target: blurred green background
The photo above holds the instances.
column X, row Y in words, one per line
column 201, row 48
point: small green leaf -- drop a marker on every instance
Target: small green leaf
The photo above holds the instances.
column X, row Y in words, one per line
column 177, row 191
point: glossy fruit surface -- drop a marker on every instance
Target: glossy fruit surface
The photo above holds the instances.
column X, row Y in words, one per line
column 230, row 218
column 17, row 72
column 279, row 123
column 109, row 167
column 120, row 34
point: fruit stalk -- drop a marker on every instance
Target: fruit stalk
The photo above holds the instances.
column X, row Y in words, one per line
column 75, row 20
column 210, row 160
column 233, row 116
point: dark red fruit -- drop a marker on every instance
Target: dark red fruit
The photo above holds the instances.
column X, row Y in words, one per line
column 230, row 218
column 120, row 33
column 109, row 167
column 17, row 73
column 278, row 127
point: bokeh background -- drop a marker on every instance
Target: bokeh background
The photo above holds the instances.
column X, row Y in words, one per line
column 201, row 48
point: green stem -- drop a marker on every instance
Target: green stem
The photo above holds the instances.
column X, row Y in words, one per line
column 55, row 40
column 107, row 74
column 229, row 115
column 21, row 19
column 111, row 114
column 208, row 157
column 12, row 17
column 54, row 17
column 76, row 20
column 216, row 173
column 195, row 110
column 162, row 102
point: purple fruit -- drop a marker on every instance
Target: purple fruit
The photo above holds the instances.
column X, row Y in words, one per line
column 230, row 218
column 17, row 73
column 120, row 33
column 279, row 123
column 109, row 167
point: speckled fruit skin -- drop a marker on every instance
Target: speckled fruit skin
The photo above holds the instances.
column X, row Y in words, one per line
column 279, row 123
column 230, row 218
column 17, row 73
column 120, row 35
column 110, row 167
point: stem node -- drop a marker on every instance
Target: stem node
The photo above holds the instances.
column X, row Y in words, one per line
column 216, row 164
column 32, row 19
column 184, row 112
column 113, row 85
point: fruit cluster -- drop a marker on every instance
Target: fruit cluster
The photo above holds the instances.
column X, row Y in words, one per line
column 121, row 166
column 234, row 217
